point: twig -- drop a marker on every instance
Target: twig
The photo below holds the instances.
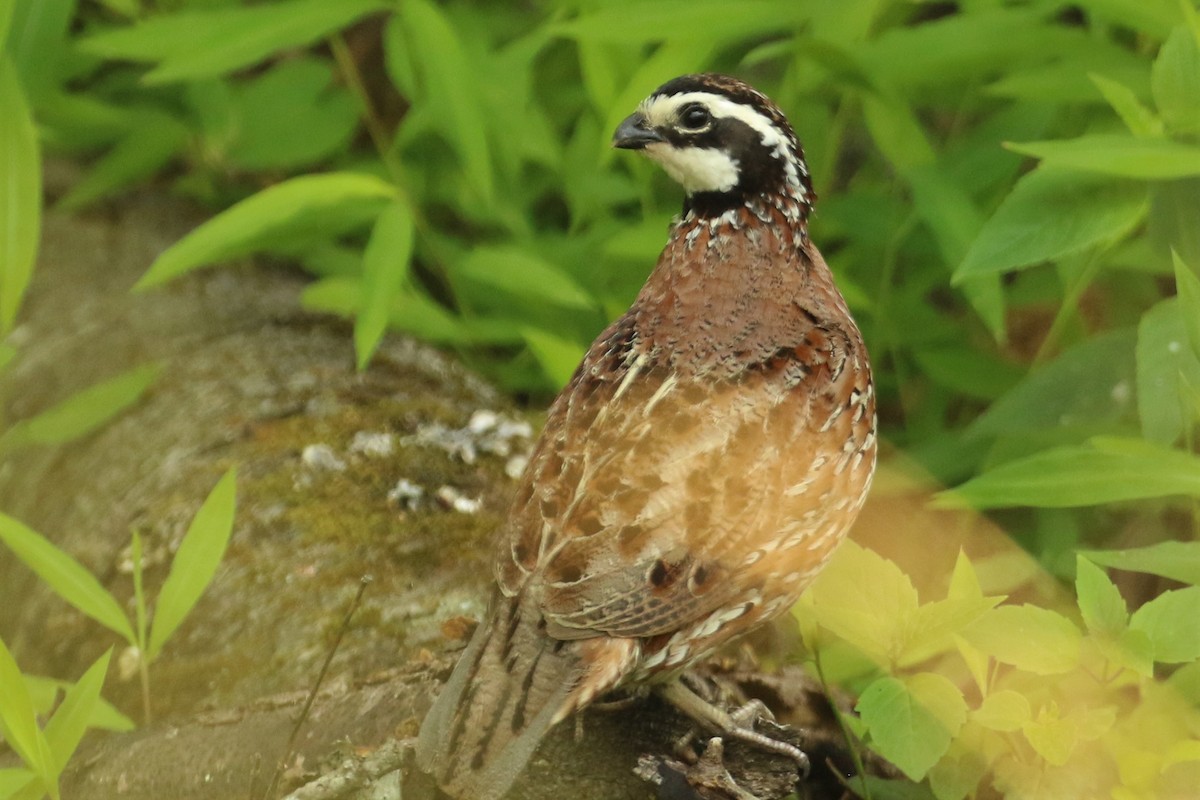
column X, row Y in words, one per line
column 273, row 786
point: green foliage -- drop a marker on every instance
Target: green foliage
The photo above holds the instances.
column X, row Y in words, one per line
column 44, row 750
column 192, row 569
column 20, row 194
column 83, row 412
column 1009, row 198
column 1020, row 699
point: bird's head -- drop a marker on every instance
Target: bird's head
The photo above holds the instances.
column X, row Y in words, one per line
column 725, row 142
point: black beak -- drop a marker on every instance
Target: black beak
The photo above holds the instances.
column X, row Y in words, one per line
column 634, row 133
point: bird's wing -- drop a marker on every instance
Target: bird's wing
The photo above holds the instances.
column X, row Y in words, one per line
column 655, row 502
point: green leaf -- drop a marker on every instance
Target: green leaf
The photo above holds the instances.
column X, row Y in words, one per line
column 14, row 779
column 1088, row 210
column 1080, row 476
column 1167, row 366
column 1140, row 120
column 1179, row 561
column 45, row 691
column 677, row 20
column 897, row 133
column 913, row 721
column 1005, row 710
column 1028, row 637
column 73, row 717
column 291, row 116
column 1100, row 601
column 204, row 44
column 1172, row 621
column 20, row 195
column 66, row 576
column 1053, row 737
column 1090, row 383
column 84, row 411
column 1175, row 81
column 451, row 81
column 385, row 266
column 6, row 15
column 39, row 45
column 154, row 138
column 867, row 600
column 558, row 357
column 286, row 211
column 1187, row 286
column 19, row 722
column 523, row 274
column 195, row 562
column 1114, row 154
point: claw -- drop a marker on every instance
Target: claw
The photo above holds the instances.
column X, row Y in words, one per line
column 738, row 725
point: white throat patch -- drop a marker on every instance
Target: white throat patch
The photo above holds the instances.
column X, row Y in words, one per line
column 696, row 169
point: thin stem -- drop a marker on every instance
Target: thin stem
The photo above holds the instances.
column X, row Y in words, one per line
column 375, row 128
column 272, row 787
column 139, row 597
column 851, row 741
column 1070, row 306
column 144, row 675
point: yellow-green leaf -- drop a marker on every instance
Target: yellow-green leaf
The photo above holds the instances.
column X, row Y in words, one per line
column 20, row 194
column 286, row 212
column 1028, row 637
column 74, row 715
column 195, row 562
column 912, row 722
column 66, row 576
column 83, row 412
column 385, row 266
column 1100, row 601
column 1005, row 710
column 19, row 722
column 1172, row 621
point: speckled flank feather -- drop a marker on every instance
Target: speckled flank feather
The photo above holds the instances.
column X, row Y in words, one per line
column 707, row 457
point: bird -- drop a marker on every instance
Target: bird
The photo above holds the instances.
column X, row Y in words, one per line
column 709, row 453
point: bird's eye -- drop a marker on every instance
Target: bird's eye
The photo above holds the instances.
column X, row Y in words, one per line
column 695, row 116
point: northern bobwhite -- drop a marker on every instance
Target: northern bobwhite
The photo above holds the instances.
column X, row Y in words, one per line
column 698, row 470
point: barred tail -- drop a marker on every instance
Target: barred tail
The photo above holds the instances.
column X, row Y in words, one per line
column 511, row 685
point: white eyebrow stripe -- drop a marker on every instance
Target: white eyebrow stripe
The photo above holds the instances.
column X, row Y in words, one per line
column 661, row 109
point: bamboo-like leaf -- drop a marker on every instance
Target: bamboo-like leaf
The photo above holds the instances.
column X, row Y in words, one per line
column 451, row 82
column 515, row 270
column 152, row 141
column 14, row 780
column 209, row 43
column 1179, row 561
column 19, row 722
column 195, row 563
column 1187, row 287
column 1140, row 120
column 1088, row 210
column 385, row 266
column 1082, row 476
column 557, row 356
column 20, row 194
column 288, row 210
column 45, row 691
column 66, row 576
column 1124, row 156
column 73, row 717
column 85, row 411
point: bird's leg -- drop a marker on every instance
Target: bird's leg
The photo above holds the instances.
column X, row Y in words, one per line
column 737, row 725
